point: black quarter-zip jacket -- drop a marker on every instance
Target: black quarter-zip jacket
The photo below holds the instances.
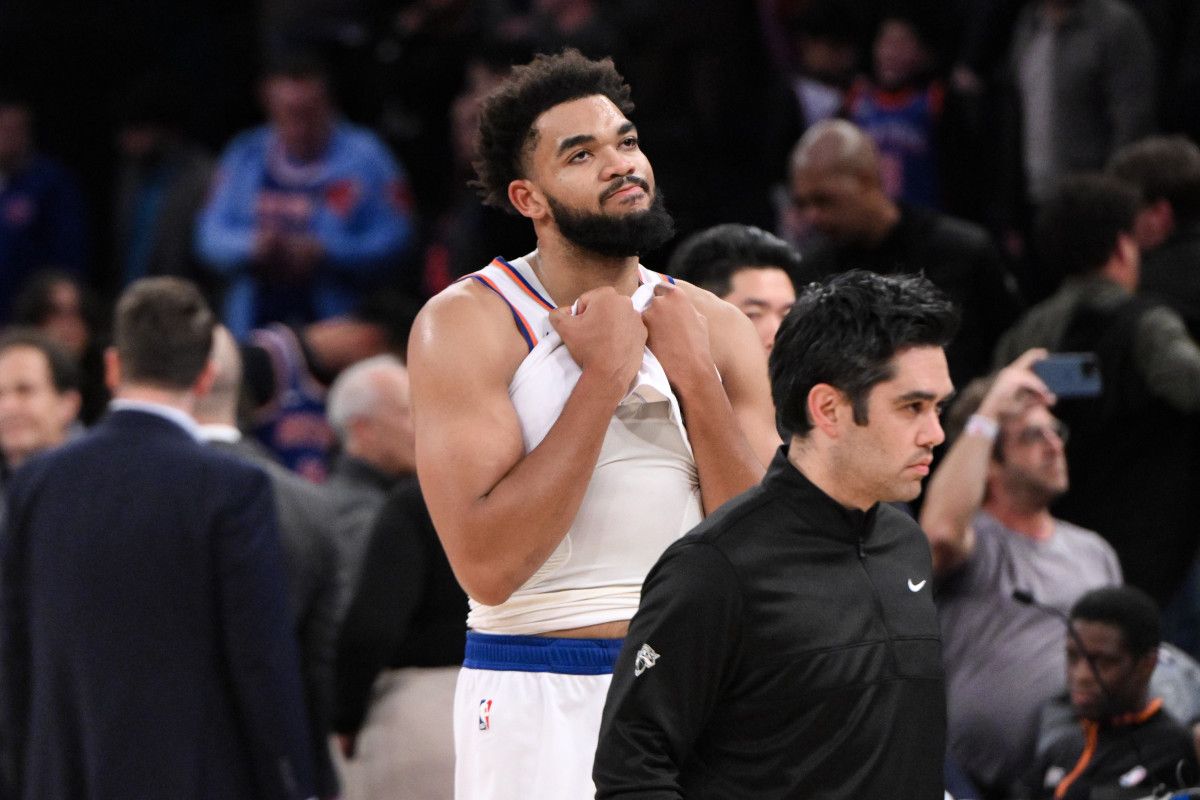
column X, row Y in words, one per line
column 786, row 648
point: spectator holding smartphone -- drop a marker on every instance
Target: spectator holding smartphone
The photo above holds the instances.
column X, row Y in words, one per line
column 990, row 528
column 1132, row 474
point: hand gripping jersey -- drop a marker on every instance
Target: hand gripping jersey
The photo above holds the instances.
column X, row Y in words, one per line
column 644, row 493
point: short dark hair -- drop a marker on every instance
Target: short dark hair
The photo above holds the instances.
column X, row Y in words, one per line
column 507, row 116
column 1162, row 168
column 64, row 372
column 845, row 332
column 1077, row 229
column 163, row 332
column 34, row 305
column 711, row 257
column 1126, row 608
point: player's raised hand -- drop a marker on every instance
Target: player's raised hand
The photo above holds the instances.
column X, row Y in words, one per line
column 604, row 334
column 678, row 335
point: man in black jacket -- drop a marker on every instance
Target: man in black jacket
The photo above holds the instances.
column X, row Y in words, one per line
column 789, row 645
column 1124, row 740
column 837, row 184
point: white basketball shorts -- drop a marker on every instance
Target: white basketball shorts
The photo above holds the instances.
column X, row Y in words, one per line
column 527, row 716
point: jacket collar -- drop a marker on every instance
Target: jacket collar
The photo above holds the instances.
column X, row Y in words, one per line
column 826, row 516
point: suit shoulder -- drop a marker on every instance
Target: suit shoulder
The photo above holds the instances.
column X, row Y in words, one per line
column 230, row 469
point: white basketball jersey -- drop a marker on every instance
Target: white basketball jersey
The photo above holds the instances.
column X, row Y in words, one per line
column 644, row 492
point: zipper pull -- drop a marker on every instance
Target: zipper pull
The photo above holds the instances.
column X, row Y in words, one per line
column 862, row 552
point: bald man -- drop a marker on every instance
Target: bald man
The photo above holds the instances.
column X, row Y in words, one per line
column 306, row 528
column 836, row 184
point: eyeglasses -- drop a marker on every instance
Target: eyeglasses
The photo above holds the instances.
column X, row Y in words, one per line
column 1038, row 434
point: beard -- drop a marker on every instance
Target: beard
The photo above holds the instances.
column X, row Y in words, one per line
column 615, row 235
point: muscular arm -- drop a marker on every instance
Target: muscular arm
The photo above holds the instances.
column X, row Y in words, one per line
column 723, row 391
column 952, row 497
column 957, row 489
column 498, row 511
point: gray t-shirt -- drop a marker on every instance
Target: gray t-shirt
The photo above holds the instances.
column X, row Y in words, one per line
column 1004, row 660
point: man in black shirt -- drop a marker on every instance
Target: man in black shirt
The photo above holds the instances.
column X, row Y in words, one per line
column 789, row 645
column 1125, row 741
column 836, row 182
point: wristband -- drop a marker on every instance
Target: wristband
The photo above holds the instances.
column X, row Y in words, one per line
column 985, row 427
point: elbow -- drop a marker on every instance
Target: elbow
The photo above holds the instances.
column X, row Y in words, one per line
column 489, row 592
column 485, row 582
column 488, row 595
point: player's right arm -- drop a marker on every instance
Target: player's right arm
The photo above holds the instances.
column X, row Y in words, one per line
column 500, row 512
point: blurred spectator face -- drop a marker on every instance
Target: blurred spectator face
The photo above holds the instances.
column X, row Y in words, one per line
column 765, row 295
column 64, row 321
column 16, row 136
column 900, row 56
column 1034, row 455
column 141, row 142
column 832, row 202
column 827, row 59
column 34, row 416
column 386, row 434
column 301, row 111
column 1125, row 676
column 1153, row 225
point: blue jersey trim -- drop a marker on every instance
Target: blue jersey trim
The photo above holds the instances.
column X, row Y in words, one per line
column 541, row 654
column 517, row 273
column 516, row 315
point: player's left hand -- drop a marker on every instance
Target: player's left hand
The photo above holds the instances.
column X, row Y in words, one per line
column 678, row 336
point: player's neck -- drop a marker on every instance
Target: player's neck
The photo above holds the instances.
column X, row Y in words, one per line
column 568, row 271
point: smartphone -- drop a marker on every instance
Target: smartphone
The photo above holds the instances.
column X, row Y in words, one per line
column 1070, row 374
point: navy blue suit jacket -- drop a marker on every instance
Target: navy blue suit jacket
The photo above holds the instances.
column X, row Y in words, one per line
column 147, row 649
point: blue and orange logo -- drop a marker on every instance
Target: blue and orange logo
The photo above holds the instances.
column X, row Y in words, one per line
column 485, row 711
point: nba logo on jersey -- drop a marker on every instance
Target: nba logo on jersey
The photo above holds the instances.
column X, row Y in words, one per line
column 485, row 719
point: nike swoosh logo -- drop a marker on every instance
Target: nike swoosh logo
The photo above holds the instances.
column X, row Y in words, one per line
column 915, row 587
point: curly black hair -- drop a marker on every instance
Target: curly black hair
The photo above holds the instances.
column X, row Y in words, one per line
column 506, row 120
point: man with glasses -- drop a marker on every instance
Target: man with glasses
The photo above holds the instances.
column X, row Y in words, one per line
column 987, row 516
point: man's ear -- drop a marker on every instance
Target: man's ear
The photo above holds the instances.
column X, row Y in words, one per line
column 204, row 381
column 527, row 199
column 112, row 369
column 827, row 408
